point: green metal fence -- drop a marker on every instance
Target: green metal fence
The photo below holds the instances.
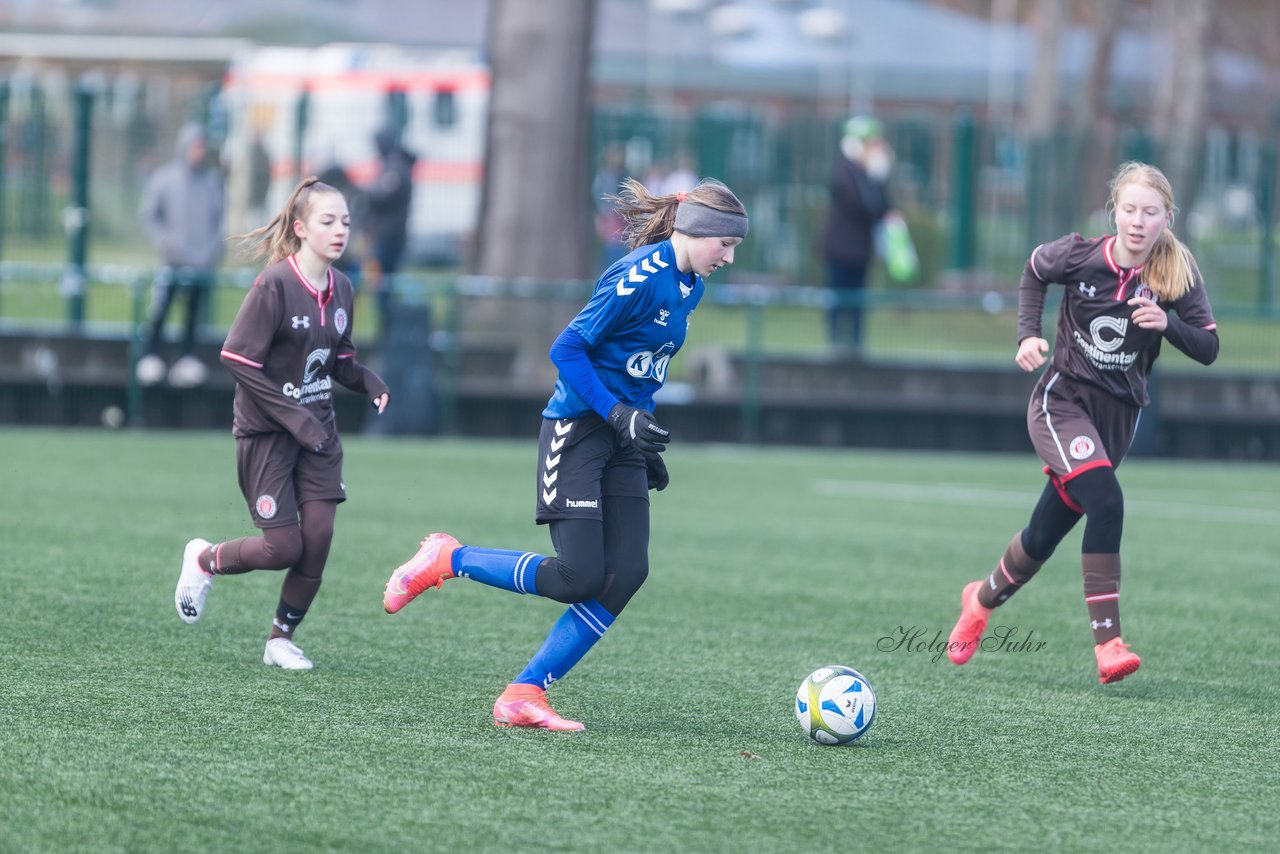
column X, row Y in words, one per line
column 477, row 326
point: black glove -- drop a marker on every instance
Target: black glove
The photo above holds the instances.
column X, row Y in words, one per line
column 656, row 468
column 638, row 429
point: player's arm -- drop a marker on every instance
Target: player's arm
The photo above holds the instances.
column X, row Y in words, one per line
column 361, row 379
column 1033, row 349
column 357, row 376
column 1191, row 327
column 1200, row 343
column 636, row 427
column 570, row 354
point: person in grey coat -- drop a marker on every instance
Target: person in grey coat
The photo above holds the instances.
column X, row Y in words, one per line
column 182, row 211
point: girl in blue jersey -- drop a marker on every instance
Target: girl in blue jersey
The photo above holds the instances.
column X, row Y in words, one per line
column 600, row 448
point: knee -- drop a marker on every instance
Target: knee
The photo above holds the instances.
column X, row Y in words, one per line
column 282, row 547
column 579, row 582
column 1108, row 505
column 623, row 583
column 1038, row 543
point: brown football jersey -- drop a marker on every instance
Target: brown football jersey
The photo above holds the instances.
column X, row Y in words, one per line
column 1097, row 341
column 287, row 345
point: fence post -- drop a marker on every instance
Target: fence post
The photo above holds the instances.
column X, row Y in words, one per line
column 4, row 156
column 751, row 368
column 963, row 206
column 133, row 388
column 1266, row 216
column 76, row 217
column 300, row 116
column 450, row 348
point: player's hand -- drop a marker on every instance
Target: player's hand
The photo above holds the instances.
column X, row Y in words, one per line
column 380, row 402
column 656, row 468
column 1148, row 315
column 638, row 429
column 1031, row 353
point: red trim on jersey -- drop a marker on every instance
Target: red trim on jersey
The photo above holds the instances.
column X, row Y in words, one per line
column 1123, row 277
column 322, row 299
column 346, row 355
column 236, row 357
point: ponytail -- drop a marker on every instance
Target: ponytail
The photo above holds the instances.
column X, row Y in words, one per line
column 650, row 218
column 276, row 240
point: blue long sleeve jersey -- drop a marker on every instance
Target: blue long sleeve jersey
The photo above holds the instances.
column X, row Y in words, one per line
column 618, row 347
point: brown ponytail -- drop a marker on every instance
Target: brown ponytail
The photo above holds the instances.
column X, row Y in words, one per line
column 650, row 218
column 276, row 240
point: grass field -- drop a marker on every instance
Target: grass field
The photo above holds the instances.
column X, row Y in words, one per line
column 125, row 730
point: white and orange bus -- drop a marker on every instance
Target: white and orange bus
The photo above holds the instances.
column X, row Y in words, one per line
column 298, row 111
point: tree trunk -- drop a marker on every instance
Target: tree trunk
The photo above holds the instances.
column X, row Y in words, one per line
column 533, row 202
column 1184, row 144
column 1093, row 126
column 1045, row 203
column 535, row 188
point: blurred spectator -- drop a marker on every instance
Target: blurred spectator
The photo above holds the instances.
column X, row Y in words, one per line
column 182, row 207
column 683, row 177
column 352, row 259
column 389, row 198
column 259, row 178
column 859, row 201
column 609, row 223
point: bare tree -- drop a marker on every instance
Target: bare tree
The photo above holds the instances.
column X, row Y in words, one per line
column 1044, row 202
column 533, row 201
column 535, row 188
column 1183, row 92
column 1093, row 126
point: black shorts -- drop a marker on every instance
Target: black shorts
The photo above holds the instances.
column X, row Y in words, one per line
column 277, row 475
column 579, row 462
column 1076, row 426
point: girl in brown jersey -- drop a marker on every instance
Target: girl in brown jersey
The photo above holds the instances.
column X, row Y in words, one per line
column 1123, row 295
column 290, row 340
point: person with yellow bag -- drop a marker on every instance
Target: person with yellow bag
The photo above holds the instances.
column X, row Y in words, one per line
column 861, row 217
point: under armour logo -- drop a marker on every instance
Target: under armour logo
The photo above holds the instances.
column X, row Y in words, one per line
column 1105, row 624
column 1088, row 290
column 302, row 322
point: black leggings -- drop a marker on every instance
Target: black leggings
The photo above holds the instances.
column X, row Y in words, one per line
column 1098, row 493
column 605, row 560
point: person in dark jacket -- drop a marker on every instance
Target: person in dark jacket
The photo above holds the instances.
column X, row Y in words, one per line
column 389, row 199
column 859, row 201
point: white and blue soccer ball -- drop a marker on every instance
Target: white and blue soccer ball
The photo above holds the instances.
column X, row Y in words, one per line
column 835, row 705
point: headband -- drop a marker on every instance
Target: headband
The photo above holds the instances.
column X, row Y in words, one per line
column 698, row 220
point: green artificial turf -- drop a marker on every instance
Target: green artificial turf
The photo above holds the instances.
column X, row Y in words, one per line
column 126, row 730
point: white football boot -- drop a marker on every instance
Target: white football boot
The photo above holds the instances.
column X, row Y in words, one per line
column 193, row 583
column 282, row 652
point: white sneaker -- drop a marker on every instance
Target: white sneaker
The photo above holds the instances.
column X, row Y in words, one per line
column 193, row 583
column 187, row 372
column 151, row 369
column 282, row 652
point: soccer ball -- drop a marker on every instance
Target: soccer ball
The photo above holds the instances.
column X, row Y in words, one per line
column 835, row 705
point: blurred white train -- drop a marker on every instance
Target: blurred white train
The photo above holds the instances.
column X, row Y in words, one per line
column 296, row 111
